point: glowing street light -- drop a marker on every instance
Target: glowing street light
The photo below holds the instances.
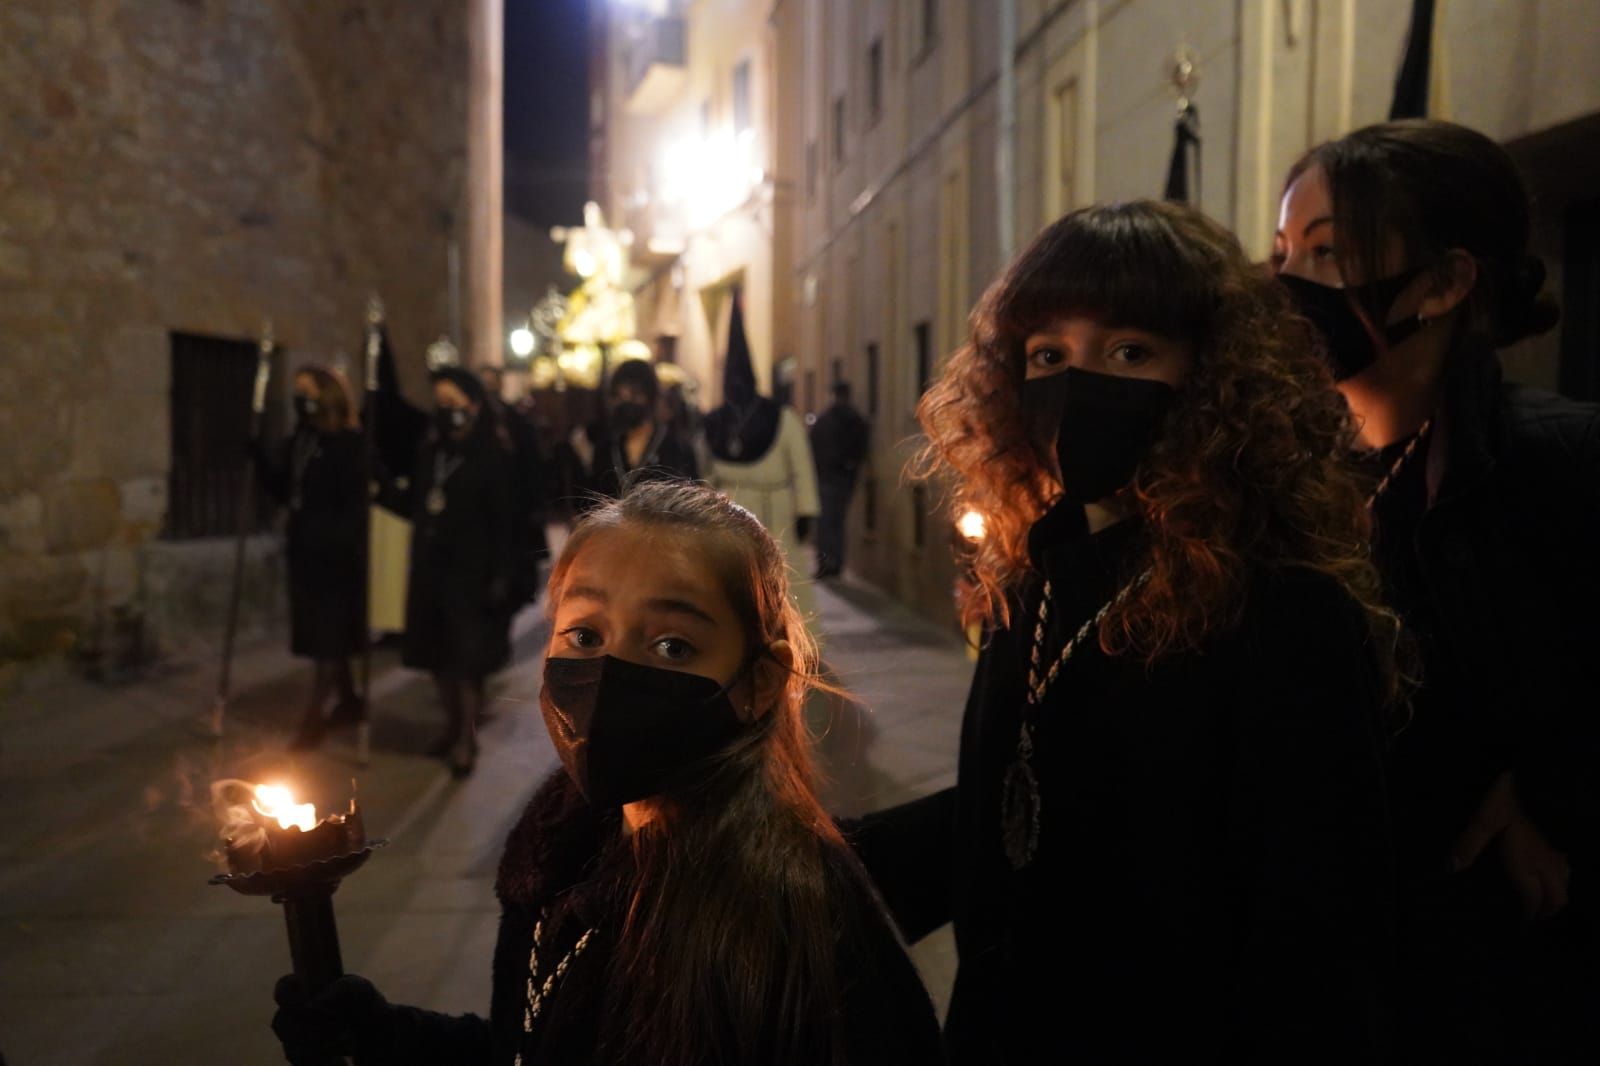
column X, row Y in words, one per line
column 522, row 342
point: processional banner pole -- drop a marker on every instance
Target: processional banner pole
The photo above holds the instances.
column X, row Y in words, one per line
column 369, row 476
column 246, row 514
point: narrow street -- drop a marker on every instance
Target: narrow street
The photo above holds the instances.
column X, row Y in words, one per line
column 117, row 951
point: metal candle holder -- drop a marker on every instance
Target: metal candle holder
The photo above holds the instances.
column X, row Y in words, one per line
column 330, row 851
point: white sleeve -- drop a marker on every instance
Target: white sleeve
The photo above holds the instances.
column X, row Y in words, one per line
column 802, row 468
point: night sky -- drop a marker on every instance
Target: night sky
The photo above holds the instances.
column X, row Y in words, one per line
column 546, row 99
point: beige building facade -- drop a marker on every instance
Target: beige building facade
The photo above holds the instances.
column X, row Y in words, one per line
column 915, row 145
column 688, row 96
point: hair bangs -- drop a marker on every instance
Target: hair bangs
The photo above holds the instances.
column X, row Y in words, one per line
column 1115, row 264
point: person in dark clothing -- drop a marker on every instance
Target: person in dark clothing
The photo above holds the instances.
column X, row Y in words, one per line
column 839, row 444
column 1407, row 244
column 632, row 442
column 531, row 489
column 1168, row 840
column 317, row 474
column 676, row 895
column 459, row 599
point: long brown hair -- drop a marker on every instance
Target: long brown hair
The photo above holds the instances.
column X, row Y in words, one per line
column 1250, row 468
column 728, row 950
column 1430, row 187
column 334, row 410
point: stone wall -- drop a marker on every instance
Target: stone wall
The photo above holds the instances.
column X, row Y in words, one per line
column 197, row 165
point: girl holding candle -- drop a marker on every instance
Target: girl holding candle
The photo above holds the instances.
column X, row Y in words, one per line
column 1168, row 839
column 676, row 895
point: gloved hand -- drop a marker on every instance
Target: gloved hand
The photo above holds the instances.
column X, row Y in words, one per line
column 349, row 1017
column 802, row 528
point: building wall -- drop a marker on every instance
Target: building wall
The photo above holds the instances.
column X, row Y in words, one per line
column 906, row 228
column 895, row 210
column 703, row 202
column 199, row 167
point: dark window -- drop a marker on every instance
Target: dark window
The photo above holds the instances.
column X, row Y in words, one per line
column 919, row 515
column 838, row 371
column 1580, row 302
column 924, row 338
column 811, row 390
column 741, row 96
column 213, row 381
column 872, row 379
column 869, row 504
column 875, row 80
column 838, row 129
column 930, row 23
column 811, row 170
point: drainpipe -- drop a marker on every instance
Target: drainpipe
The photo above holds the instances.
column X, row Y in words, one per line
column 1006, row 148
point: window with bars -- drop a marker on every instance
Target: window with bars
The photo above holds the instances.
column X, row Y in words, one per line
column 213, row 379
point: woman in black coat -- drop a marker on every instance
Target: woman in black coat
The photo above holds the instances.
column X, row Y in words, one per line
column 1407, row 243
column 1168, row 839
column 675, row 895
column 633, row 443
column 460, row 597
column 317, row 474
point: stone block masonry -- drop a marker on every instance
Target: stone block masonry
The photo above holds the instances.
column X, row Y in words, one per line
column 195, row 167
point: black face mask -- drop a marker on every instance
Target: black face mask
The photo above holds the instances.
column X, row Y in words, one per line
column 628, row 416
column 1351, row 348
column 626, row 732
column 451, row 420
column 305, row 407
column 1100, row 425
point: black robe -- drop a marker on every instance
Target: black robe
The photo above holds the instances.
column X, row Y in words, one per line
column 1499, row 580
column 553, row 867
column 318, row 477
column 462, row 590
column 1213, row 879
column 667, row 457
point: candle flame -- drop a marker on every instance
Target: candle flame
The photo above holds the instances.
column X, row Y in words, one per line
column 276, row 801
column 972, row 525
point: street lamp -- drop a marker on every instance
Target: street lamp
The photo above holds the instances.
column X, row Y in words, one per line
column 522, row 342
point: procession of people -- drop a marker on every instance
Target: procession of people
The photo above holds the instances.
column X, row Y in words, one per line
column 1281, row 743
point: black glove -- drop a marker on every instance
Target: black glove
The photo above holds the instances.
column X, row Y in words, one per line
column 802, row 528
column 349, row 1017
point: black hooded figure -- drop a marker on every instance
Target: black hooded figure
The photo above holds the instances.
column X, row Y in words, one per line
column 760, row 455
column 461, row 593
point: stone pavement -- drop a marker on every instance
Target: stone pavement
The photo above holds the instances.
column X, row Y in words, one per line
column 114, row 948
